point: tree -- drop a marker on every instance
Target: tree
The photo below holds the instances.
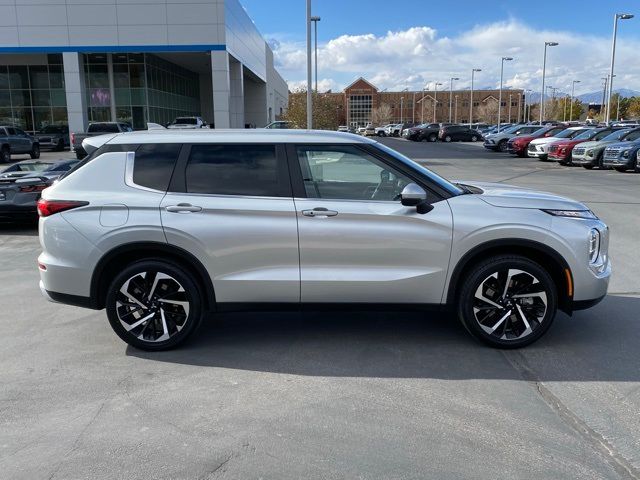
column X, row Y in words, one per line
column 488, row 110
column 327, row 110
column 382, row 115
column 633, row 108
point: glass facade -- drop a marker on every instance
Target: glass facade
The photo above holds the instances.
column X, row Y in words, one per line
column 360, row 110
column 145, row 88
column 33, row 96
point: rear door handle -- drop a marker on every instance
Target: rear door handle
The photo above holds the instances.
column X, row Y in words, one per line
column 183, row 208
column 319, row 212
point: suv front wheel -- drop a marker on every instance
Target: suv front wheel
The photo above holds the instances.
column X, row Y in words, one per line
column 154, row 305
column 507, row 301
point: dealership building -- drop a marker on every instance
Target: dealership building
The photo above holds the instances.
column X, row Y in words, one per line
column 77, row 61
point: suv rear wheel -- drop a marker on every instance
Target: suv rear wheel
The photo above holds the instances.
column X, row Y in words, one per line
column 507, row 301
column 154, row 305
column 502, row 146
column 35, row 151
column 5, row 155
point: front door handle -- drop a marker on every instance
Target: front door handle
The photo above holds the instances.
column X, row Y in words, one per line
column 183, row 208
column 319, row 212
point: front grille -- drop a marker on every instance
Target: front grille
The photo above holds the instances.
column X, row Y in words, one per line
column 531, row 148
column 611, row 153
column 579, row 150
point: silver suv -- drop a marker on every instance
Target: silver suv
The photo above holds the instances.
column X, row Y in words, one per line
column 161, row 227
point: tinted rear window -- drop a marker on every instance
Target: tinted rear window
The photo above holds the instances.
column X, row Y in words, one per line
column 234, row 170
column 154, row 163
column 103, row 127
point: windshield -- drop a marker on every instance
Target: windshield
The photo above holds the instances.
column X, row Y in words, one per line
column 444, row 184
column 632, row 136
column 103, row 128
column 52, row 129
column 32, row 167
column 617, row 135
column 586, row 135
column 513, row 129
column 185, row 121
column 568, row 133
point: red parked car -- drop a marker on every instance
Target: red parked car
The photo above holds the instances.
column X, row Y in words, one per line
column 561, row 150
column 518, row 145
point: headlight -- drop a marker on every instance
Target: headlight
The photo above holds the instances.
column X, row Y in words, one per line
column 589, row 153
column 625, row 154
column 586, row 214
column 594, row 245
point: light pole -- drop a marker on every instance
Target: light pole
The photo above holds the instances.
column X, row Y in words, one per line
column 504, row 59
column 473, row 71
column 455, row 111
column 573, row 89
column 435, row 100
column 309, row 96
column 413, row 107
column 509, row 119
column 451, row 94
column 544, row 71
column 402, row 105
column 315, row 21
column 422, row 105
column 616, row 17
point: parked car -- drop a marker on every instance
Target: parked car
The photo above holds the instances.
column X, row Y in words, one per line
column 94, row 129
column 383, row 131
column 498, row 141
column 561, row 151
column 229, row 235
column 369, row 131
column 22, row 183
column 622, row 156
column 539, row 148
column 54, row 137
column 426, row 132
column 518, row 145
column 194, row 122
column 281, row 124
column 589, row 154
column 13, row 140
column 458, row 133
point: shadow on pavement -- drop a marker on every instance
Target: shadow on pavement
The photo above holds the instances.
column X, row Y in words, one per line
column 27, row 228
column 600, row 344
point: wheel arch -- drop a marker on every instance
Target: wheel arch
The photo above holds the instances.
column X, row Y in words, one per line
column 114, row 260
column 545, row 256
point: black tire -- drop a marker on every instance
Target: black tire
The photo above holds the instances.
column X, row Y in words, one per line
column 5, row 154
column 447, row 138
column 35, row 151
column 620, row 169
column 502, row 146
column 433, row 137
column 588, row 167
column 180, row 319
column 510, row 331
column 60, row 145
column 382, row 134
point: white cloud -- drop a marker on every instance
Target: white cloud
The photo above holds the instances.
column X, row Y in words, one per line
column 418, row 56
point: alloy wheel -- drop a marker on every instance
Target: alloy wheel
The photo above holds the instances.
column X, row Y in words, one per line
column 510, row 304
column 152, row 306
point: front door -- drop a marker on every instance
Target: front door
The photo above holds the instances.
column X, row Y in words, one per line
column 358, row 243
column 232, row 208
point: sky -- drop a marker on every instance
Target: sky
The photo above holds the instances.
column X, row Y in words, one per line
column 413, row 44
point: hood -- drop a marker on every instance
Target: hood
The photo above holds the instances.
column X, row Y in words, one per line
column 543, row 140
column 510, row 196
column 499, row 136
column 595, row 144
column 624, row 145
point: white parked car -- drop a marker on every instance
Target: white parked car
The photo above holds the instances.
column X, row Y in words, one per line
column 539, row 147
column 186, row 123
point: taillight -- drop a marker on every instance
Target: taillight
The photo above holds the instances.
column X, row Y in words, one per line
column 33, row 188
column 49, row 207
column 73, row 138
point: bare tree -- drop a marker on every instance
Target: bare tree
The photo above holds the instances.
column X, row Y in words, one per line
column 382, row 115
column 488, row 110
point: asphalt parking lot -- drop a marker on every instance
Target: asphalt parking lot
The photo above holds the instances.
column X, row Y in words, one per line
column 363, row 395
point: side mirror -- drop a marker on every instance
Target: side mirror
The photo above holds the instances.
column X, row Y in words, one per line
column 412, row 195
column 415, row 196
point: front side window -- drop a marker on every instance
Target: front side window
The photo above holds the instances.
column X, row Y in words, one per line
column 235, row 170
column 347, row 173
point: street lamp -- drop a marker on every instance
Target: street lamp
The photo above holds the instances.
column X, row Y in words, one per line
column 473, row 70
column 617, row 16
column 451, row 94
column 573, row 88
column 455, row 112
column 402, row 105
column 509, row 119
column 504, row 59
column 315, row 21
column 544, row 71
column 435, row 100
column 309, row 96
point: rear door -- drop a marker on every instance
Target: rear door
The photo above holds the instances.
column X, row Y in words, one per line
column 357, row 242
column 231, row 206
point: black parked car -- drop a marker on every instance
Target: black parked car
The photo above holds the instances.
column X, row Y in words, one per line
column 459, row 133
column 421, row 133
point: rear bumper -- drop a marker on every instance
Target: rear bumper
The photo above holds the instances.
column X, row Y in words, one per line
column 64, row 298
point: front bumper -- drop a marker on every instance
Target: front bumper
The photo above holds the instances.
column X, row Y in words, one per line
column 515, row 149
column 620, row 161
column 535, row 152
column 583, row 160
column 490, row 145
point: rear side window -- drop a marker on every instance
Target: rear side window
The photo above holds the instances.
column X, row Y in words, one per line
column 154, row 163
column 235, row 170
